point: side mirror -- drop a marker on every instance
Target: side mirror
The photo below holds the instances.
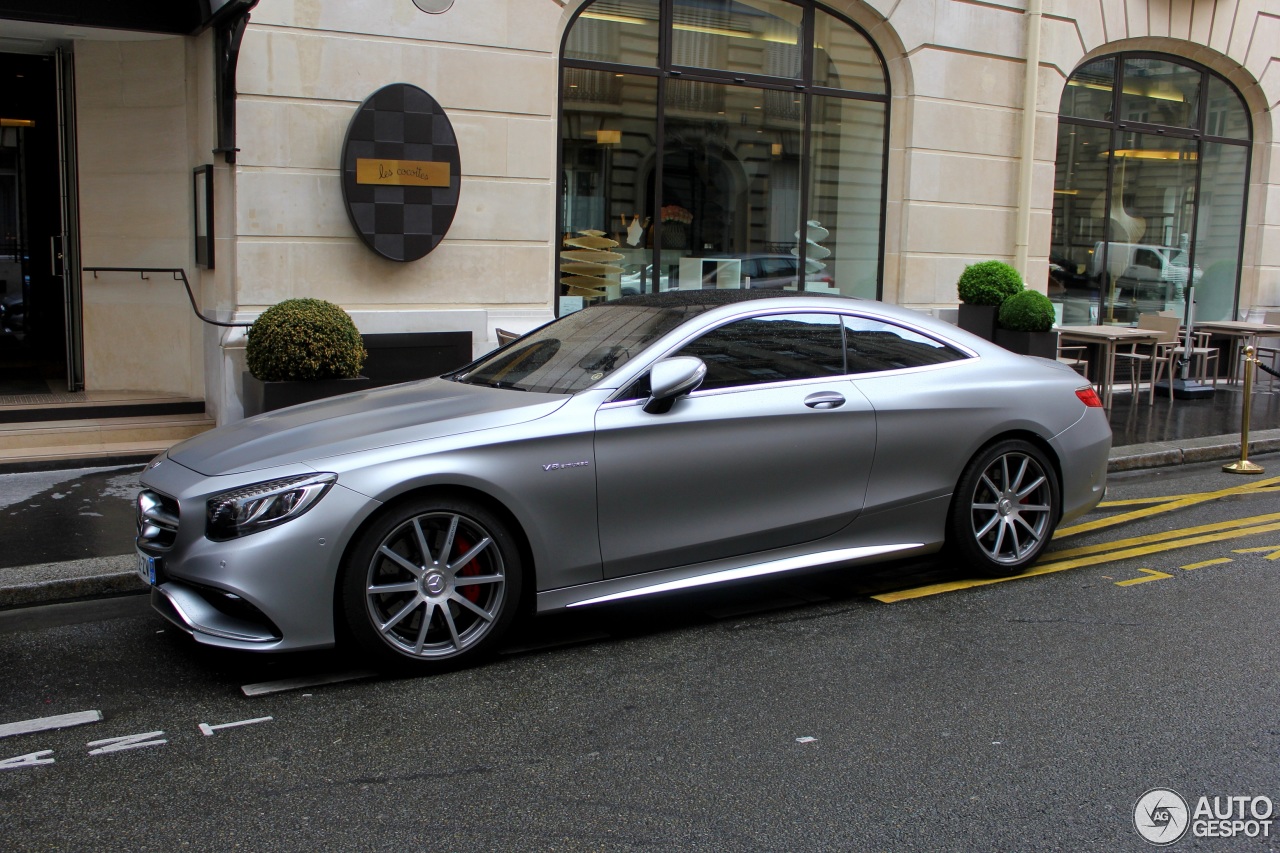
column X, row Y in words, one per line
column 671, row 378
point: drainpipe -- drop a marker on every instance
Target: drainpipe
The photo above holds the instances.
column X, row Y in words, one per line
column 1030, row 88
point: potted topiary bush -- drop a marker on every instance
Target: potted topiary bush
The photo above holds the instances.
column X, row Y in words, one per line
column 1026, row 325
column 983, row 287
column 301, row 350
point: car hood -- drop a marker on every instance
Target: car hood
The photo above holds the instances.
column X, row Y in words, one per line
column 413, row 411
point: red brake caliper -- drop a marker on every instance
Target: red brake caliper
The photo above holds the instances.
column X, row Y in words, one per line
column 472, row 592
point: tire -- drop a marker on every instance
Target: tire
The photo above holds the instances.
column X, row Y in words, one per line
column 431, row 585
column 1005, row 509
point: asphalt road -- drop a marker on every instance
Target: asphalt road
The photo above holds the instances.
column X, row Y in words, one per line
column 806, row 714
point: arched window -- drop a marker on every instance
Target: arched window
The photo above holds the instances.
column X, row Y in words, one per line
column 719, row 143
column 1149, row 198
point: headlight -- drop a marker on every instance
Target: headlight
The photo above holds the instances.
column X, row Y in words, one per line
column 252, row 508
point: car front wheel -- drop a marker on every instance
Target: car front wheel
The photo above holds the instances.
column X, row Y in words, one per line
column 432, row 584
column 1005, row 509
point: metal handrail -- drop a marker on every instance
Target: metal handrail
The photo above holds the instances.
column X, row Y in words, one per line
column 178, row 275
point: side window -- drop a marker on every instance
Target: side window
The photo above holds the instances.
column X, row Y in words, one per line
column 875, row 346
column 1147, row 258
column 776, row 267
column 771, row 348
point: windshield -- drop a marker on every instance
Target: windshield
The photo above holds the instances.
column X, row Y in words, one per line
column 582, row 348
column 577, row 350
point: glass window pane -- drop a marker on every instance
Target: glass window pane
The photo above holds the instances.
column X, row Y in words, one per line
column 1156, row 91
column 1218, row 227
column 846, row 181
column 770, row 349
column 751, row 36
column 623, row 31
column 843, row 58
column 1079, row 222
column 875, row 346
column 607, row 143
column 1227, row 115
column 1090, row 91
column 1150, row 221
column 730, row 199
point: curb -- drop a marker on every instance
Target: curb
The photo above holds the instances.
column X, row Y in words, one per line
column 74, row 580
column 1134, row 457
column 102, row 577
column 74, row 589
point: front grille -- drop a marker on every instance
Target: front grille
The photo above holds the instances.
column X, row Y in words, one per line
column 157, row 521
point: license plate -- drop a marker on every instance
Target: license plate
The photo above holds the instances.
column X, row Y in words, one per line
column 147, row 568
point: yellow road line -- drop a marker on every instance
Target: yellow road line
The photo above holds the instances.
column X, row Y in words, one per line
column 1163, row 537
column 1180, row 503
column 1062, row 566
column 1148, row 576
column 1274, row 549
column 1218, row 561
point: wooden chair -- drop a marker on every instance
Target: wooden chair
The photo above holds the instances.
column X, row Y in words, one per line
column 1074, row 356
column 1201, row 351
column 1156, row 354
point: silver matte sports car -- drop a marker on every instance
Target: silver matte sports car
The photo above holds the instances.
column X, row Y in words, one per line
column 636, row 447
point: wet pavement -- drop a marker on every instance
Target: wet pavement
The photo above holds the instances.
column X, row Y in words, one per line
column 1138, row 422
column 60, row 516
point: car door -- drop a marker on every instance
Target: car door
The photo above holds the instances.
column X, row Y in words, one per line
column 774, row 449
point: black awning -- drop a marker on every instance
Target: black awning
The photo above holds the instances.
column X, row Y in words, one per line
column 176, row 17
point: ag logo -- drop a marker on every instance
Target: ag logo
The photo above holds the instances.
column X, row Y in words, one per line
column 1161, row 816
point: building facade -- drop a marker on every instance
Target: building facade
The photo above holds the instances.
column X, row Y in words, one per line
column 615, row 146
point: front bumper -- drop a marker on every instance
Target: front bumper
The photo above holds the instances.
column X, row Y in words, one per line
column 269, row 591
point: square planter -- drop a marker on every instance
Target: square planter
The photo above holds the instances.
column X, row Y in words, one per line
column 262, row 396
column 406, row 356
column 979, row 320
column 1043, row 344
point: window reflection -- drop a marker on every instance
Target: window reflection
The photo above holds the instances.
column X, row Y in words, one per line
column 624, row 31
column 1130, row 235
column 1156, row 91
column 719, row 200
column 770, row 349
column 751, row 36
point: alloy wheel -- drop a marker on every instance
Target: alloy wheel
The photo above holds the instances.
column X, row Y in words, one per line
column 436, row 585
column 1012, row 508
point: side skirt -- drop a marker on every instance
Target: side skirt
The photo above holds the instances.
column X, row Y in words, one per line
column 707, row 574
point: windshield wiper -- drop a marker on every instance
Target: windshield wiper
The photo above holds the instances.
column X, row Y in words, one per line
column 505, row 386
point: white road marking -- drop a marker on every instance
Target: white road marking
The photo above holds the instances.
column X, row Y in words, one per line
column 120, row 744
column 31, row 759
column 264, row 687
column 208, row 730
column 44, row 724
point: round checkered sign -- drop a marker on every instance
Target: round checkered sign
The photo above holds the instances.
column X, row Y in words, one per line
column 400, row 172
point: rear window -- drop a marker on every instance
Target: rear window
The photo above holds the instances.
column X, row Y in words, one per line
column 874, row 346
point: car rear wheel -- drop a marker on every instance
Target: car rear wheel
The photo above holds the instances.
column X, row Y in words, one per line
column 1005, row 509
column 432, row 584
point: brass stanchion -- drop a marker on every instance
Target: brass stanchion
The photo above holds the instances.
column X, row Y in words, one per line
column 1244, row 466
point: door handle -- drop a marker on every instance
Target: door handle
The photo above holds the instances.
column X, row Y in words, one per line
column 824, row 400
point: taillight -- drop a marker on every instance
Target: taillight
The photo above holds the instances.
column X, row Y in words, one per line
column 1089, row 397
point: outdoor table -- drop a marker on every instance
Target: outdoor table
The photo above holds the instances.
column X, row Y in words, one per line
column 1108, row 338
column 1242, row 333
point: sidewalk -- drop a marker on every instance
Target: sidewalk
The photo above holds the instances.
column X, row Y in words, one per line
column 1145, row 436
column 1184, row 431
